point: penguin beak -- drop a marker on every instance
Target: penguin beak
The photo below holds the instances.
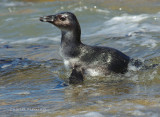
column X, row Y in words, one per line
column 49, row 18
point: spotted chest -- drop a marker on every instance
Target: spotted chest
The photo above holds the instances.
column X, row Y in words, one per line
column 72, row 63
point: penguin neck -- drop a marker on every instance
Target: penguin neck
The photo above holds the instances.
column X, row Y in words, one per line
column 71, row 37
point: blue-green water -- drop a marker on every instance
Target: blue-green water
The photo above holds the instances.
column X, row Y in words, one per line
column 33, row 79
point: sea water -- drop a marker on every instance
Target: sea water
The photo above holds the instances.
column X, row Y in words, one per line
column 34, row 81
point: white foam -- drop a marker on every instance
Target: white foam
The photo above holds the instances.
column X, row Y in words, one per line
column 133, row 68
column 90, row 114
column 2, row 41
column 5, row 66
column 78, row 9
column 93, row 114
column 102, row 11
column 30, row 40
column 137, row 113
column 130, row 26
column 150, row 27
column 36, row 39
column 146, row 41
column 14, row 4
column 122, row 25
column 128, row 19
column 9, row 19
column 23, row 93
column 149, row 43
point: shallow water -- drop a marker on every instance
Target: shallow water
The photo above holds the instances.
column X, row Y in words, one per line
column 34, row 82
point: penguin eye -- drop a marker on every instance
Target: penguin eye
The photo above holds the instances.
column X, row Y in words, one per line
column 62, row 18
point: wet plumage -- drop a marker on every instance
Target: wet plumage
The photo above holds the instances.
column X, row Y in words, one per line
column 94, row 60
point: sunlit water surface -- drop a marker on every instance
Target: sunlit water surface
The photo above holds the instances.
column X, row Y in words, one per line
column 34, row 82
